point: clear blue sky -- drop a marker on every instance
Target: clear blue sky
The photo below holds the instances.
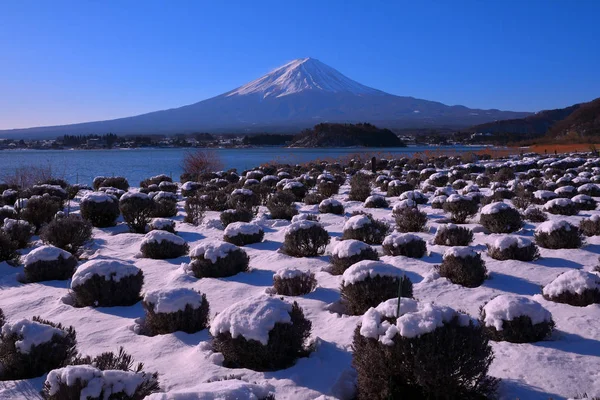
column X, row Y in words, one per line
column 75, row 61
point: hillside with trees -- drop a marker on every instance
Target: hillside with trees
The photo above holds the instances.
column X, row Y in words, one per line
column 346, row 135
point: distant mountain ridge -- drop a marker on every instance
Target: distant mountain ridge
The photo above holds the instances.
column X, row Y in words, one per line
column 577, row 121
column 293, row 97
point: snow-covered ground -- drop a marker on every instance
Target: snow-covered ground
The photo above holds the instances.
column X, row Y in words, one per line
column 566, row 365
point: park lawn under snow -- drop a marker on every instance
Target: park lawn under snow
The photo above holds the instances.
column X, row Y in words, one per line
column 566, row 365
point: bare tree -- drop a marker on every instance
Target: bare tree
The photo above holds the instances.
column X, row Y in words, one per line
column 199, row 162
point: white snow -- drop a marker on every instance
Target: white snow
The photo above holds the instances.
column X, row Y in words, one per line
column 396, row 239
column 242, row 192
column 159, row 236
column 289, row 273
column 10, row 223
column 292, row 184
column 109, row 269
column 242, row 228
column 357, row 222
column 460, row 252
column 212, row 250
column 504, row 242
column 228, row 389
column 252, row 318
column 162, row 223
column 374, row 198
column 349, row 248
column 173, row 300
column 299, row 225
column 553, row 225
column 494, row 208
column 573, row 281
column 132, row 195
column 507, row 307
column 369, row 269
column 303, row 74
column 96, row 382
column 330, row 202
column 98, row 197
column 45, row 253
column 406, row 203
column 30, row 334
column 560, row 202
column 544, row 194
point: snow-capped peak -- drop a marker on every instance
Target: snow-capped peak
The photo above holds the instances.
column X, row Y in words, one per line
column 300, row 75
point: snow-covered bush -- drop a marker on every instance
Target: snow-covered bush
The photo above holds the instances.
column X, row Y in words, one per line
column 189, row 188
column 281, row 206
column 543, row 196
column 415, row 196
column 243, row 198
column 305, row 239
column 232, row 215
column 589, row 189
column 297, row 189
column 376, row 201
column 171, row 310
column 463, row 266
column 91, row 383
column 453, row 235
column 566, row 192
column 409, row 219
column 513, row 248
column 106, row 283
column 162, row 245
column 165, row 186
column 590, row 226
column 331, row 206
column 217, row 260
column 8, row 248
column 312, row 199
column 7, row 212
column 293, row 282
column 437, row 202
column 40, row 210
column 365, row 228
column 460, row 208
column 584, row 202
column 516, row 319
column 262, row 334
column 155, row 180
column 561, row 206
column 165, row 204
column 397, row 187
column 68, row 233
column 19, row 231
column 348, row 252
column 500, row 218
column 368, row 283
column 48, row 263
column 534, row 214
column 558, row 235
column 328, row 188
column 195, row 208
column 243, row 233
column 137, row 209
column 360, row 187
column 227, row 389
column 429, row 352
column 162, row 224
column 574, row 287
column 101, row 209
column 405, row 244
column 118, row 182
column 30, row 348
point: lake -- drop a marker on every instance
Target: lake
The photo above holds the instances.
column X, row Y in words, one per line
column 81, row 166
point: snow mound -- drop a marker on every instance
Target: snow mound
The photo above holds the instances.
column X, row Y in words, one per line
column 367, row 268
column 212, row 250
column 415, row 319
column 299, row 225
column 330, row 202
column 159, row 236
column 289, row 273
column 504, row 242
column 98, row 382
column 494, row 208
column 573, row 281
column 357, row 222
column 398, row 239
column 242, row 228
column 507, row 307
column 162, row 223
column 30, row 334
column 108, row 269
column 229, row 389
column 553, row 225
column 173, row 300
column 252, row 318
column 45, row 253
column 349, row 248
column 460, row 252
column 98, row 197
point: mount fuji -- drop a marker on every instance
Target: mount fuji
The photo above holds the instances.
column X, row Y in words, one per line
column 294, row 96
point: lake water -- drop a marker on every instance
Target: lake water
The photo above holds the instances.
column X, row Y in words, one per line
column 81, row 166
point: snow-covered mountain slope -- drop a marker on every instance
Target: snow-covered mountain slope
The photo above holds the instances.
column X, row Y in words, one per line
column 295, row 96
column 300, row 75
